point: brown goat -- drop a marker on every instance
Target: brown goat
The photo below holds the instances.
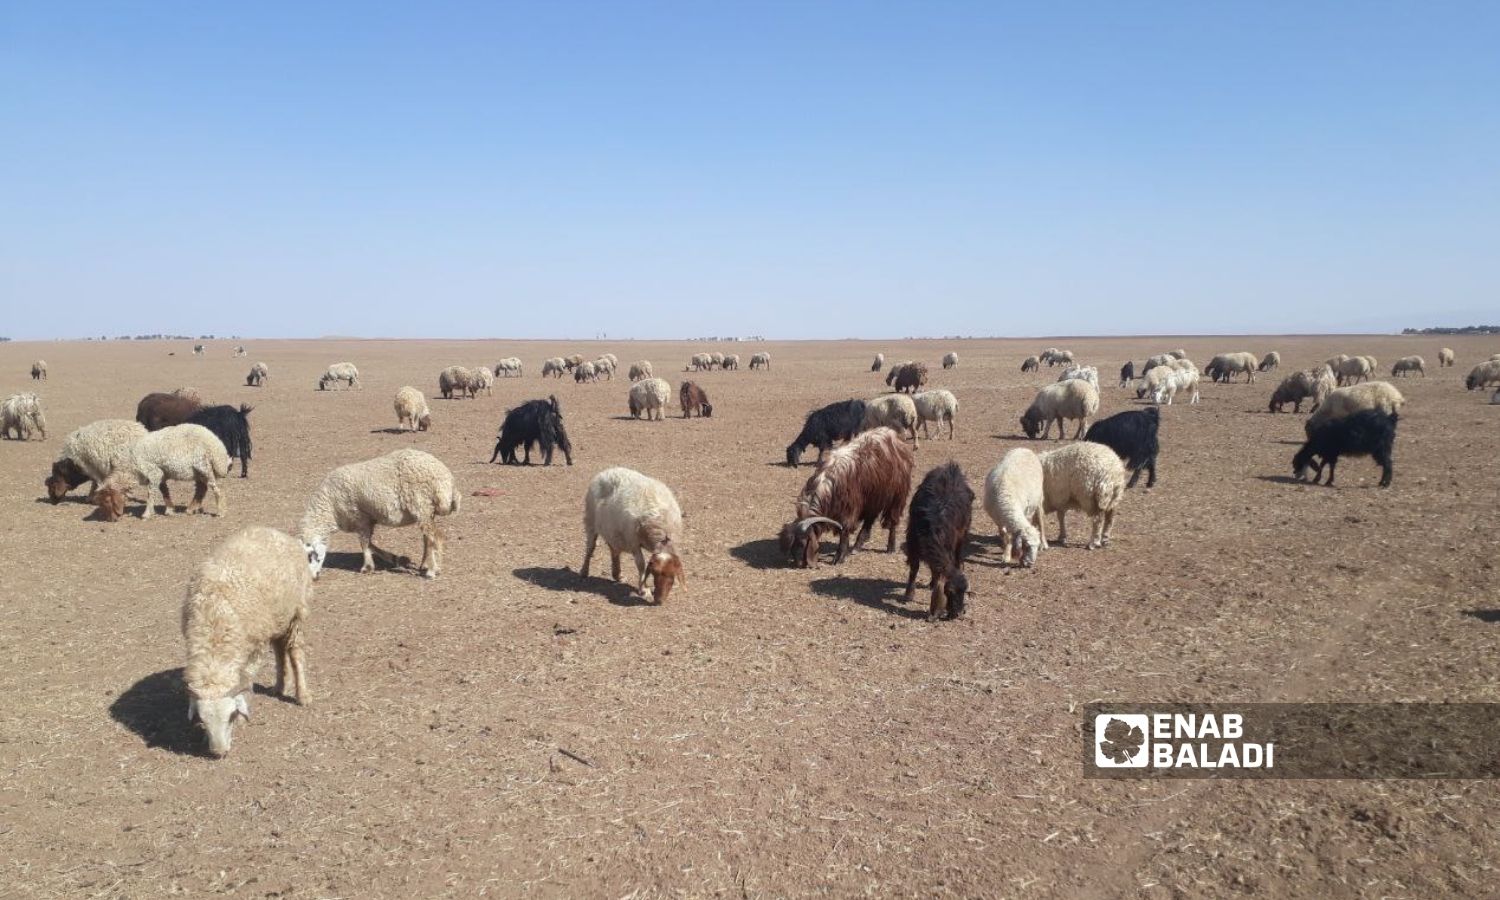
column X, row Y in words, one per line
column 158, row 411
column 694, row 399
column 864, row 480
column 908, row 377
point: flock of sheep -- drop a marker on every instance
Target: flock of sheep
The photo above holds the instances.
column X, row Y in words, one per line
column 254, row 589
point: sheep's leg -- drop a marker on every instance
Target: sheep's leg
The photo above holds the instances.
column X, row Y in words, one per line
column 200, row 490
column 366, row 546
column 1006, row 540
column 640, row 571
column 297, row 660
column 1151, row 472
column 950, row 428
column 1096, row 536
column 1062, row 527
column 1384, row 459
column 1041, row 528
column 590, row 540
column 1078, row 435
column 1109, row 524
column 843, row 550
column 867, row 526
column 1333, row 462
column 432, row 550
column 614, row 564
column 278, row 645
column 1134, row 477
column 939, row 609
column 911, row 582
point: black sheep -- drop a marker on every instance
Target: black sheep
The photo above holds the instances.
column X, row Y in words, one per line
column 937, row 528
column 826, row 427
column 1132, row 435
column 230, row 425
column 533, row 422
column 1368, row 432
column 1127, row 374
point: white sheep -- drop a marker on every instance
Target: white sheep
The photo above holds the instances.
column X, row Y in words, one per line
column 403, row 487
column 640, row 369
column 509, row 367
column 22, row 413
column 1344, row 401
column 93, row 452
column 1083, row 373
column 878, row 363
column 556, row 366
column 1160, row 359
column 456, row 380
column 1177, row 354
column 1178, row 381
column 614, row 361
column 1229, row 365
column 39, row 370
column 650, row 397
column 717, row 359
column 259, row 374
column 240, row 350
column 482, row 380
column 638, row 515
column 1445, row 357
column 897, row 412
column 1408, row 364
column 253, row 590
column 760, row 360
column 1071, row 399
column 584, row 371
column 701, row 361
column 602, row 366
column 1354, row 370
column 1031, row 364
column 412, row 413
column 184, row 452
column 340, row 372
column 950, row 359
column 936, row 406
column 1013, row 498
column 1087, row 477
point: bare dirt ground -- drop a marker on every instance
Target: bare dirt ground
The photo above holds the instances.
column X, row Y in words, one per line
column 770, row 731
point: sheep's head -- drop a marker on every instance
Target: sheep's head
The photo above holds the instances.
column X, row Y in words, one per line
column 111, row 502
column 65, row 476
column 956, row 591
column 561, row 438
column 1304, row 460
column 793, row 454
column 664, row 569
column 707, row 410
column 217, row 717
column 424, row 423
column 1031, row 423
column 317, row 553
column 799, row 539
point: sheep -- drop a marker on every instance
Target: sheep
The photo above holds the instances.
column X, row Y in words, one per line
column 614, row 361
column 879, row 362
column 1082, row 373
column 254, row 589
column 1368, row 432
column 864, row 480
column 340, row 372
column 509, row 367
column 602, row 366
column 1072, row 399
column 1269, row 362
column 1227, row 365
column 1333, row 362
column 1047, row 355
column 198, row 349
column 91, row 453
column 1483, row 375
column 937, row 530
column 1323, row 384
column 1374, row 363
column 481, row 379
column 403, row 487
column 1180, row 380
column 573, row 362
column 1177, row 354
column 950, row 359
column 1013, row 499
column 936, row 406
column 640, row 370
column 1445, row 357
column 239, row 350
column 1059, row 358
column 731, row 362
column 1133, row 437
column 1152, row 380
column 1127, row 374
column 184, row 452
column 157, row 411
column 533, row 422
column 1354, row 370
column 554, row 366
column 1160, row 359
column 638, row 515
column 700, row 362
column 1293, row 389
column 694, row 399
column 717, row 359
column 1087, row 477
column 39, row 370
column 1030, row 364
column 760, row 360
column 412, row 413
column 232, row 426
column 649, row 397
column 22, row 413
column 259, row 373
column 1346, row 401
column 584, row 372
column 1408, row 364
column 897, row 412
column 455, row 380
column 824, row 427
column 908, row 376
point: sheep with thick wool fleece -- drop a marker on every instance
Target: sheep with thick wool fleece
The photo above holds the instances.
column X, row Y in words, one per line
column 936, row 406
column 1345, row 401
column 455, row 380
column 878, row 363
column 1031, row 364
column 731, row 362
column 864, row 480
column 509, row 367
column 22, row 413
column 259, row 373
column 184, row 452
column 1294, row 388
column 894, row 411
column 649, row 397
column 1269, row 362
column 1073, row 399
column 412, row 413
column 1229, row 365
column 92, row 453
column 1082, row 373
column 39, row 370
column 760, row 360
column 1446, row 357
column 1408, row 364
column 638, row 515
column 555, row 366
column 950, row 359
column 403, row 487
column 1087, row 477
column 1354, row 370
column 1183, row 380
column 1013, row 499
column 1160, row 359
column 483, row 380
column 639, row 370
column 1483, row 375
column 253, row 590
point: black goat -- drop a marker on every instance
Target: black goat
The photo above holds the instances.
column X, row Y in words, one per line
column 937, row 528
column 533, row 422
column 230, row 425
column 1127, row 374
column 826, row 427
column 1368, row 432
column 1132, row 435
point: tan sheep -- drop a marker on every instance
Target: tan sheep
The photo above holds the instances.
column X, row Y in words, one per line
column 1087, row 477
column 412, row 413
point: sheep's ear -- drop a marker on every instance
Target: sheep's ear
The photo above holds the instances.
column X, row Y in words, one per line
column 192, row 710
column 242, row 705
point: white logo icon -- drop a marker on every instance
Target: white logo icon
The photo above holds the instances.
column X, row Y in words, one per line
column 1121, row 740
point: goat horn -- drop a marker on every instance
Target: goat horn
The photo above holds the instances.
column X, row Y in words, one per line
column 804, row 524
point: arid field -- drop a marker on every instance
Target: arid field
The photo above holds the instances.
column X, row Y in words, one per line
column 511, row 729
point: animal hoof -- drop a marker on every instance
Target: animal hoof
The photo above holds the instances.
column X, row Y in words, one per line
column 429, row 575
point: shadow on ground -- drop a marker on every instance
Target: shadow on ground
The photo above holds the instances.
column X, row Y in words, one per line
column 876, row 593
column 568, row 581
column 155, row 709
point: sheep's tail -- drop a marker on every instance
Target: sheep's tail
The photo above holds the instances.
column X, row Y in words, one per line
column 219, row 460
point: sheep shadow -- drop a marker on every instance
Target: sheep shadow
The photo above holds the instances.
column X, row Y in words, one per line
column 67, row 498
column 875, row 593
column 391, row 431
column 762, row 554
column 352, row 562
column 565, row 580
column 155, row 709
column 1281, row 479
column 1487, row 616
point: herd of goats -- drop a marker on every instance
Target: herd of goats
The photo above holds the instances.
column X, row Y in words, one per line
column 254, row 589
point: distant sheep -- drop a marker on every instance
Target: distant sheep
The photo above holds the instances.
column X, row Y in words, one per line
column 1058, row 402
column 412, row 413
column 694, row 399
column 1323, row 384
column 937, row 530
column 231, row 425
column 1133, row 435
column 825, row 427
column 864, row 480
column 1058, row 358
column 584, row 372
column 879, row 362
column 907, row 377
column 1030, row 364
column 1181, row 380
column 92, row 453
column 649, row 398
column 533, row 422
column 509, row 367
column 1086, row 477
column 894, row 411
column 701, row 362
column 1483, row 375
column 1294, row 388
column 1081, row 373
column 1127, row 374
column 39, row 370
column 481, row 379
column 1177, row 354
column 1269, row 362
column 638, row 515
column 1013, row 499
column 177, row 453
column 603, row 368
column 1227, row 365
column 731, row 362
column 1407, row 365
column 717, row 359
column 157, row 411
column 22, row 414
column 1368, row 432
column 403, row 487
column 950, row 359
column 1160, row 359
column 1354, row 370
column 1345, row 401
column 760, row 361
column 240, row 350
column 253, row 590
column 259, row 374
column 198, row 349
column 573, row 362
column 936, row 406
column 339, row 373
column 455, row 381
column 614, row 361
column 640, row 370
column 1046, row 356
column 1445, row 358
column 555, row 366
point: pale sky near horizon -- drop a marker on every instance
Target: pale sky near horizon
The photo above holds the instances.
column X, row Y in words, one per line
column 786, row 169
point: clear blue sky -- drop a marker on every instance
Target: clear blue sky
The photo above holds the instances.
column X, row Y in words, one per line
column 798, row 169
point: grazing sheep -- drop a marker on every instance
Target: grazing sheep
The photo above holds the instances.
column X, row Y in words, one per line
column 701, row 362
column 22, row 413
column 555, row 366
column 717, row 359
column 1368, row 432
column 344, row 373
column 1269, row 362
column 602, row 366
column 1333, row 362
column 39, row 370
column 240, row 350
column 91, row 453
column 936, row 406
column 1295, row 388
column 481, row 379
column 259, row 373
column 1346, row 401
column 894, row 411
column 1177, row 354
column 1133, row 435
column 1013, row 499
column 649, row 397
column 824, row 427
column 1087, row 477
column 412, row 413
column 640, row 370
column 694, row 399
column 1324, row 384
column 1483, row 375
column 198, row 349
column 403, row 487
column 879, row 362
column 455, row 380
column 509, row 367
column 638, row 515
column 573, row 362
column 1227, row 365
column 731, row 362
column 232, row 426
column 1445, row 357
column 1160, row 359
column 1059, row 358
column 1047, row 355
column 760, row 361
column 1030, row 364
column 533, row 422
column 1081, row 373
column 1127, row 374
column 1073, row 399
column 1354, row 370
column 1408, row 364
column 585, row 372
column 253, row 590
column 1181, row 380
column 614, row 361
column 864, row 480
column 157, row 411
column 950, row 359
column 907, row 377
column 184, row 452
column 937, row 530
